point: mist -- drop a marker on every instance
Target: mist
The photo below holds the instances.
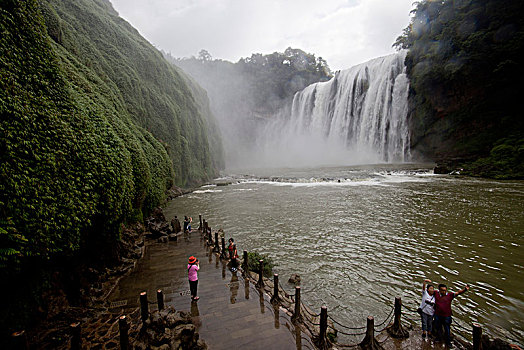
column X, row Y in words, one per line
column 288, row 110
column 252, row 99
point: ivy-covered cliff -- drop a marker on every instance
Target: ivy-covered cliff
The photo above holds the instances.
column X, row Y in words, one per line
column 465, row 65
column 95, row 127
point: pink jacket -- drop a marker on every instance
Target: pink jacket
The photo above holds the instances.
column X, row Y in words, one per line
column 192, row 272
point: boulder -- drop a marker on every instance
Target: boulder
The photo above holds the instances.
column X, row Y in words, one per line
column 169, row 329
column 163, row 239
column 295, row 279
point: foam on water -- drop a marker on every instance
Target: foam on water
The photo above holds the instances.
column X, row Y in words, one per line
column 207, row 191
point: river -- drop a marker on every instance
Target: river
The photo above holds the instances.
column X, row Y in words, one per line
column 359, row 236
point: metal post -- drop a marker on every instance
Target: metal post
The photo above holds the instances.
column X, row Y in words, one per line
column 144, row 307
column 398, row 311
column 275, row 298
column 369, row 339
column 19, row 340
column 397, row 331
column 297, row 317
column 323, row 327
column 76, row 339
column 223, row 255
column 123, row 328
column 246, row 262
column 477, row 336
column 260, row 283
column 217, row 248
column 160, row 299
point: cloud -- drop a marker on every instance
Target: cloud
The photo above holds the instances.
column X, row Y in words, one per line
column 344, row 32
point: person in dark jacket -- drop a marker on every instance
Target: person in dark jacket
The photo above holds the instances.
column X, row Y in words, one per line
column 443, row 314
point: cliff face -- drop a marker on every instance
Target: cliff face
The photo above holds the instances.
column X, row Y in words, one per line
column 155, row 95
column 465, row 67
column 95, row 126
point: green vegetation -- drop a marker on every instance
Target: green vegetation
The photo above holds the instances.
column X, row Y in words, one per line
column 95, row 127
column 255, row 257
column 265, row 82
column 505, row 161
column 465, row 65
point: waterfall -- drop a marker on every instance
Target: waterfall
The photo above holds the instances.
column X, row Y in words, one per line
column 364, row 108
column 359, row 116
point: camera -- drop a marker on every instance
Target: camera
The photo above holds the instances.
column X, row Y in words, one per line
column 427, row 301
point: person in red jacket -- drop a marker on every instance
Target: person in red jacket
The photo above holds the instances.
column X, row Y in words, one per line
column 443, row 312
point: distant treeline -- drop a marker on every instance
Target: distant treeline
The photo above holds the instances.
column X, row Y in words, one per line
column 96, row 125
column 270, row 81
column 466, row 70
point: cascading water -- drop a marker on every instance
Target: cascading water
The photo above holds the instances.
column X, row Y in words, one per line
column 360, row 115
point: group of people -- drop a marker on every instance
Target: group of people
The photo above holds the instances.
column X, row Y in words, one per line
column 193, row 266
column 435, row 309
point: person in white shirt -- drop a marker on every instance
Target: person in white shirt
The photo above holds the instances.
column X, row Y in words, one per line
column 427, row 307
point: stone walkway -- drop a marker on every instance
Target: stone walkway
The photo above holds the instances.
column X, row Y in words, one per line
column 230, row 313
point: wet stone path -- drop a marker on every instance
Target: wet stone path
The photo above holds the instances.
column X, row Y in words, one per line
column 231, row 312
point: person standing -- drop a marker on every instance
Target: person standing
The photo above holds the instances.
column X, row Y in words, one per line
column 443, row 311
column 192, row 271
column 186, row 223
column 427, row 307
column 175, row 224
column 233, row 254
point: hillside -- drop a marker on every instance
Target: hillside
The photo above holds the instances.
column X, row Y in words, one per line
column 465, row 67
column 95, row 126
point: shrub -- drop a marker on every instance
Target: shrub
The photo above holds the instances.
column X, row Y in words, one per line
column 254, row 258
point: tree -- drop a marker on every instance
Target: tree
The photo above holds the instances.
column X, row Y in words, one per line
column 204, row 55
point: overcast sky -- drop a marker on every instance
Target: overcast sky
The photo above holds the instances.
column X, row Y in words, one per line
column 344, row 32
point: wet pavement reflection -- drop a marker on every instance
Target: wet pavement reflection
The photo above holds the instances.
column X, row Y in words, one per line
column 223, row 319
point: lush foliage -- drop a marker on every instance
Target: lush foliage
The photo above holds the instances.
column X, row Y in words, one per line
column 266, row 82
column 254, row 265
column 95, row 127
column 465, row 64
column 505, row 161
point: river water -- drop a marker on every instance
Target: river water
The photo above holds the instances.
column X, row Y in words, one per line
column 377, row 234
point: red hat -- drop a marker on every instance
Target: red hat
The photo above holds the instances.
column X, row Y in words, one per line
column 192, row 260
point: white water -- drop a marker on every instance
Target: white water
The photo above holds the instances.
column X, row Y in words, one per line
column 359, row 116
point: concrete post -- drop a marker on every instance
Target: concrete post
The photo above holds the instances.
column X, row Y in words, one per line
column 19, row 340
column 477, row 336
column 144, row 306
column 275, row 298
column 123, row 328
column 160, row 299
column 76, row 336
column 260, row 283
column 297, row 317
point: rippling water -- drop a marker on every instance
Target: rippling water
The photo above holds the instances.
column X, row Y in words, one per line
column 359, row 236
